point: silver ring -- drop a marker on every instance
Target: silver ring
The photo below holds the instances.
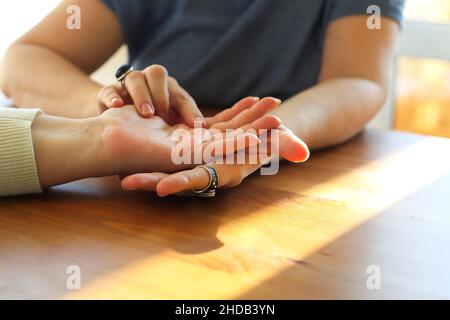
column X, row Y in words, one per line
column 210, row 190
column 121, row 79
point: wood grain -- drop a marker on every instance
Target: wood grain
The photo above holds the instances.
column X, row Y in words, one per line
column 309, row 232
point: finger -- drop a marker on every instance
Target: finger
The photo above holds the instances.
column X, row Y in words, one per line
column 185, row 104
column 232, row 112
column 266, row 122
column 292, row 148
column 249, row 115
column 157, row 81
column 175, row 117
column 218, row 145
column 257, row 127
column 284, row 144
column 221, row 147
column 143, row 181
column 196, row 178
column 110, row 97
column 138, row 90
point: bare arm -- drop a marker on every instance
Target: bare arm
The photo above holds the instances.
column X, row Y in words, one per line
column 49, row 66
column 119, row 141
column 68, row 149
column 353, row 83
column 352, row 88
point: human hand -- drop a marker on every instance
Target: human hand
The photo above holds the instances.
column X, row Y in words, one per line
column 153, row 92
column 135, row 144
column 289, row 146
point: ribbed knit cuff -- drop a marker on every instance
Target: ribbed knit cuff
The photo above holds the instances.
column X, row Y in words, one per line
column 18, row 172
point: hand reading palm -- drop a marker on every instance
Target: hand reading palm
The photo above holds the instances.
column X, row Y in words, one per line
column 136, row 144
column 288, row 146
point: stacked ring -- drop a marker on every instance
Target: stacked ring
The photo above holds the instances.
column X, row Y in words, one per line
column 210, row 190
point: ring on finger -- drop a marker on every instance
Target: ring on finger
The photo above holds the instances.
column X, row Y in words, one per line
column 210, row 190
column 122, row 73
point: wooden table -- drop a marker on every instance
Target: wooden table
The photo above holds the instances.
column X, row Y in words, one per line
column 376, row 206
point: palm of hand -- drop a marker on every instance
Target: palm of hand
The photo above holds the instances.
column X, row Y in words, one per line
column 136, row 143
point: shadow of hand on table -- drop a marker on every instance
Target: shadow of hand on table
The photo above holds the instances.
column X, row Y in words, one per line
column 95, row 224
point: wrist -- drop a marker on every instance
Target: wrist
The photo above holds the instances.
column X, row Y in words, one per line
column 90, row 104
column 97, row 162
column 68, row 149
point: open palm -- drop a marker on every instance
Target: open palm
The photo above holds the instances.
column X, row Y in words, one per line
column 135, row 144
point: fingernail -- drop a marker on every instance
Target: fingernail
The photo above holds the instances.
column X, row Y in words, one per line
column 147, row 109
column 278, row 118
column 115, row 101
column 256, row 98
column 278, row 100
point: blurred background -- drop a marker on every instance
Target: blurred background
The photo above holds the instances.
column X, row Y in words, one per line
column 420, row 95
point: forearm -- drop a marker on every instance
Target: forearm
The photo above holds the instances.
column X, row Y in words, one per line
column 34, row 76
column 68, row 149
column 332, row 111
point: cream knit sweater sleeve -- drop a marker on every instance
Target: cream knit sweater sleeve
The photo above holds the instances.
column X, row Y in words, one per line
column 18, row 172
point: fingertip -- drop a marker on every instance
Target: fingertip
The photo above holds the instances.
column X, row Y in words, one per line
column 305, row 152
column 274, row 121
column 278, row 119
column 172, row 184
column 115, row 102
column 161, row 190
column 142, row 181
column 146, row 110
column 128, row 184
column 250, row 100
column 307, row 155
column 301, row 152
column 268, row 103
column 273, row 100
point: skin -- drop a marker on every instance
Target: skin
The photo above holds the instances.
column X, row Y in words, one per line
column 352, row 87
column 153, row 92
column 121, row 142
column 290, row 146
column 69, row 52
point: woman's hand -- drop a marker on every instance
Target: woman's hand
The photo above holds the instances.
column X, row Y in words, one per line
column 153, row 92
column 135, row 144
column 290, row 147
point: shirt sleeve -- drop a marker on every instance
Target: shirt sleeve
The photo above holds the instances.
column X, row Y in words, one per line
column 123, row 10
column 133, row 16
column 388, row 8
column 18, row 172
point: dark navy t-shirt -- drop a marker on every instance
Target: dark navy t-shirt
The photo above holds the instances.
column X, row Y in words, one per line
column 223, row 50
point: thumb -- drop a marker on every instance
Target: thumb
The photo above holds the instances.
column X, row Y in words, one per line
column 292, row 148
